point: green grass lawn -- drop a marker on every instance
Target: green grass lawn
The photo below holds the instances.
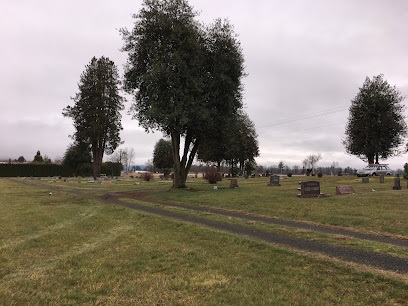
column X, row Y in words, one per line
column 382, row 211
column 70, row 249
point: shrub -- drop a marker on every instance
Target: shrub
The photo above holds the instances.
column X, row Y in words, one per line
column 146, row 176
column 319, row 174
column 339, row 173
column 289, row 174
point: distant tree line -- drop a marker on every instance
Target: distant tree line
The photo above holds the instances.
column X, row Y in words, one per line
column 46, row 170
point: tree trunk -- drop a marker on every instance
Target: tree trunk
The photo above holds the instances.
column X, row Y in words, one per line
column 182, row 167
column 97, row 162
column 370, row 158
column 219, row 177
column 376, row 158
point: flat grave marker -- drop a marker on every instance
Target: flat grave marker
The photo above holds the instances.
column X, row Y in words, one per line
column 344, row 189
column 365, row 180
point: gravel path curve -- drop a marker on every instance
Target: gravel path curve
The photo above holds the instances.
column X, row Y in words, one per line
column 295, row 224
column 383, row 261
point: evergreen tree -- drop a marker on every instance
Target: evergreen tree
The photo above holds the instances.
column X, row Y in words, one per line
column 38, row 158
column 96, row 113
column 242, row 144
column 76, row 157
column 224, row 62
column 163, row 155
column 376, row 126
column 171, row 65
column 21, row 159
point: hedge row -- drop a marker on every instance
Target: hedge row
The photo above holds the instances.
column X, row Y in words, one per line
column 45, row 170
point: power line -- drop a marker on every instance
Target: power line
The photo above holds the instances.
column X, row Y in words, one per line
column 317, row 127
column 306, row 116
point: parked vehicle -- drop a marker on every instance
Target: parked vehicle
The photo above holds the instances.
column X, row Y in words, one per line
column 375, row 169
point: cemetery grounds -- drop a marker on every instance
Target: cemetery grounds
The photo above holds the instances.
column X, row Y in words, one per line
column 133, row 242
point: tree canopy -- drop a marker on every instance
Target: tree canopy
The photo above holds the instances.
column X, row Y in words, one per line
column 183, row 76
column 224, row 62
column 38, row 158
column 243, row 143
column 78, row 157
column 21, row 159
column 163, row 154
column 376, row 126
column 96, row 113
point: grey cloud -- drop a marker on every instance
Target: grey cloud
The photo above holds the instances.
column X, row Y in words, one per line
column 302, row 57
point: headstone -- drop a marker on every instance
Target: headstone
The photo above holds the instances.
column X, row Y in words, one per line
column 397, row 183
column 101, row 179
column 365, row 180
column 310, row 189
column 344, row 189
column 382, row 179
column 91, row 180
column 274, row 180
column 234, row 183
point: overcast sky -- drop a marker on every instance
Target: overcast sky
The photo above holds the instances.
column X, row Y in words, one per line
column 305, row 61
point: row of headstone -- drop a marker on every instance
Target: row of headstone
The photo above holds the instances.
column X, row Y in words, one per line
column 397, row 181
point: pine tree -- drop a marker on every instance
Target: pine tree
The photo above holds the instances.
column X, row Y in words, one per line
column 96, row 113
column 376, row 126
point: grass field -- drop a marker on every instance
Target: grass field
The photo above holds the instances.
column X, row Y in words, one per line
column 72, row 249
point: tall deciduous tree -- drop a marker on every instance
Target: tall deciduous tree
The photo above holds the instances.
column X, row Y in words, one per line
column 376, row 126
column 311, row 161
column 170, row 71
column 96, row 113
column 128, row 156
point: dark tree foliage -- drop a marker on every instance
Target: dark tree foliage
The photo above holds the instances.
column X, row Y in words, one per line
column 163, row 155
column 96, row 113
column 21, row 159
column 38, row 158
column 243, row 143
column 224, row 62
column 171, row 60
column 376, row 126
column 76, row 157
